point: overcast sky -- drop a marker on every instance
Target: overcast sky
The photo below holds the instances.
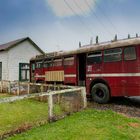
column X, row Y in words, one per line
column 56, row 25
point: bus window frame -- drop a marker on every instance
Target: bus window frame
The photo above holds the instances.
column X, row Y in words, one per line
column 135, row 53
column 39, row 62
column 69, row 58
column 57, row 60
column 50, row 61
column 110, row 54
column 33, row 66
column 100, row 55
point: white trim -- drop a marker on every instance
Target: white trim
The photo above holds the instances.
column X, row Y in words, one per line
column 69, row 58
column 57, row 60
column 113, row 75
column 70, row 75
column 40, row 76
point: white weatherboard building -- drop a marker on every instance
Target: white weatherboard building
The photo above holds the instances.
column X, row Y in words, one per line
column 15, row 57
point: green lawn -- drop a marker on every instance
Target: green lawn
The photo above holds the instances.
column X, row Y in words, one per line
column 87, row 125
column 21, row 113
column 3, row 95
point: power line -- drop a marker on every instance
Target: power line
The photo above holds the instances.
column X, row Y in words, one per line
column 104, row 27
column 85, row 12
column 68, row 5
column 100, row 8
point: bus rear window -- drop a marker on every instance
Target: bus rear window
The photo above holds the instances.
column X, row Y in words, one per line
column 113, row 55
column 68, row 61
column 39, row 65
column 57, row 62
column 33, row 66
column 47, row 63
column 129, row 53
column 95, row 57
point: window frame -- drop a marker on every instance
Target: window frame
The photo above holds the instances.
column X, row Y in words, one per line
column 41, row 64
column 57, row 60
column 110, row 54
column 95, row 55
column 135, row 53
column 33, row 66
column 68, row 58
column 27, row 71
column 49, row 61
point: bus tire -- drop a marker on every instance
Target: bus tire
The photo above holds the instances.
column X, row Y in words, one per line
column 100, row 93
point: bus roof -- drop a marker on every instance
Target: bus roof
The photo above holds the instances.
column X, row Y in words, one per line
column 92, row 47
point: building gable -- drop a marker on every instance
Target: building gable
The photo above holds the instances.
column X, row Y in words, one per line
column 9, row 45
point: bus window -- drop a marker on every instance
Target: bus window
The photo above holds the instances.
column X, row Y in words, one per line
column 39, row 64
column 129, row 53
column 68, row 61
column 57, row 62
column 33, row 66
column 47, row 64
column 113, row 55
column 95, row 57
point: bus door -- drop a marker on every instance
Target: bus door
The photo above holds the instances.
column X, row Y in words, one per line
column 70, row 77
column 94, row 62
column 39, row 71
column 82, row 69
column 32, row 71
column 131, row 65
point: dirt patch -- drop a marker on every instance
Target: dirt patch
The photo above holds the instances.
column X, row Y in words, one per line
column 21, row 129
column 135, row 125
column 26, row 127
column 124, row 106
column 120, row 127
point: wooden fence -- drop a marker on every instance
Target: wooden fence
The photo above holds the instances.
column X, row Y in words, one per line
column 20, row 88
column 61, row 91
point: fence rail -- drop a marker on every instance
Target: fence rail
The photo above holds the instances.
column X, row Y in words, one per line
column 70, row 98
column 20, row 88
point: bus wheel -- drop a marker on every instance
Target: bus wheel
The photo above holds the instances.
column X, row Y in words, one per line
column 100, row 93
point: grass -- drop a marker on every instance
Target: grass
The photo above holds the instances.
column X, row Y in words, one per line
column 20, row 113
column 87, row 125
column 3, row 95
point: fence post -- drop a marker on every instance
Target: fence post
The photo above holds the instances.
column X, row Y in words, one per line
column 18, row 90
column 54, row 85
column 50, row 108
column 41, row 88
column 28, row 88
column 58, row 95
column 83, row 92
column 48, row 88
column 9, row 89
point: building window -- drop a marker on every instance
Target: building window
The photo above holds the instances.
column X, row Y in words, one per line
column 129, row 53
column 113, row 55
column 94, row 58
column 24, row 71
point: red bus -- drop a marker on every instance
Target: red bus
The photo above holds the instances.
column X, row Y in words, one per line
column 107, row 70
